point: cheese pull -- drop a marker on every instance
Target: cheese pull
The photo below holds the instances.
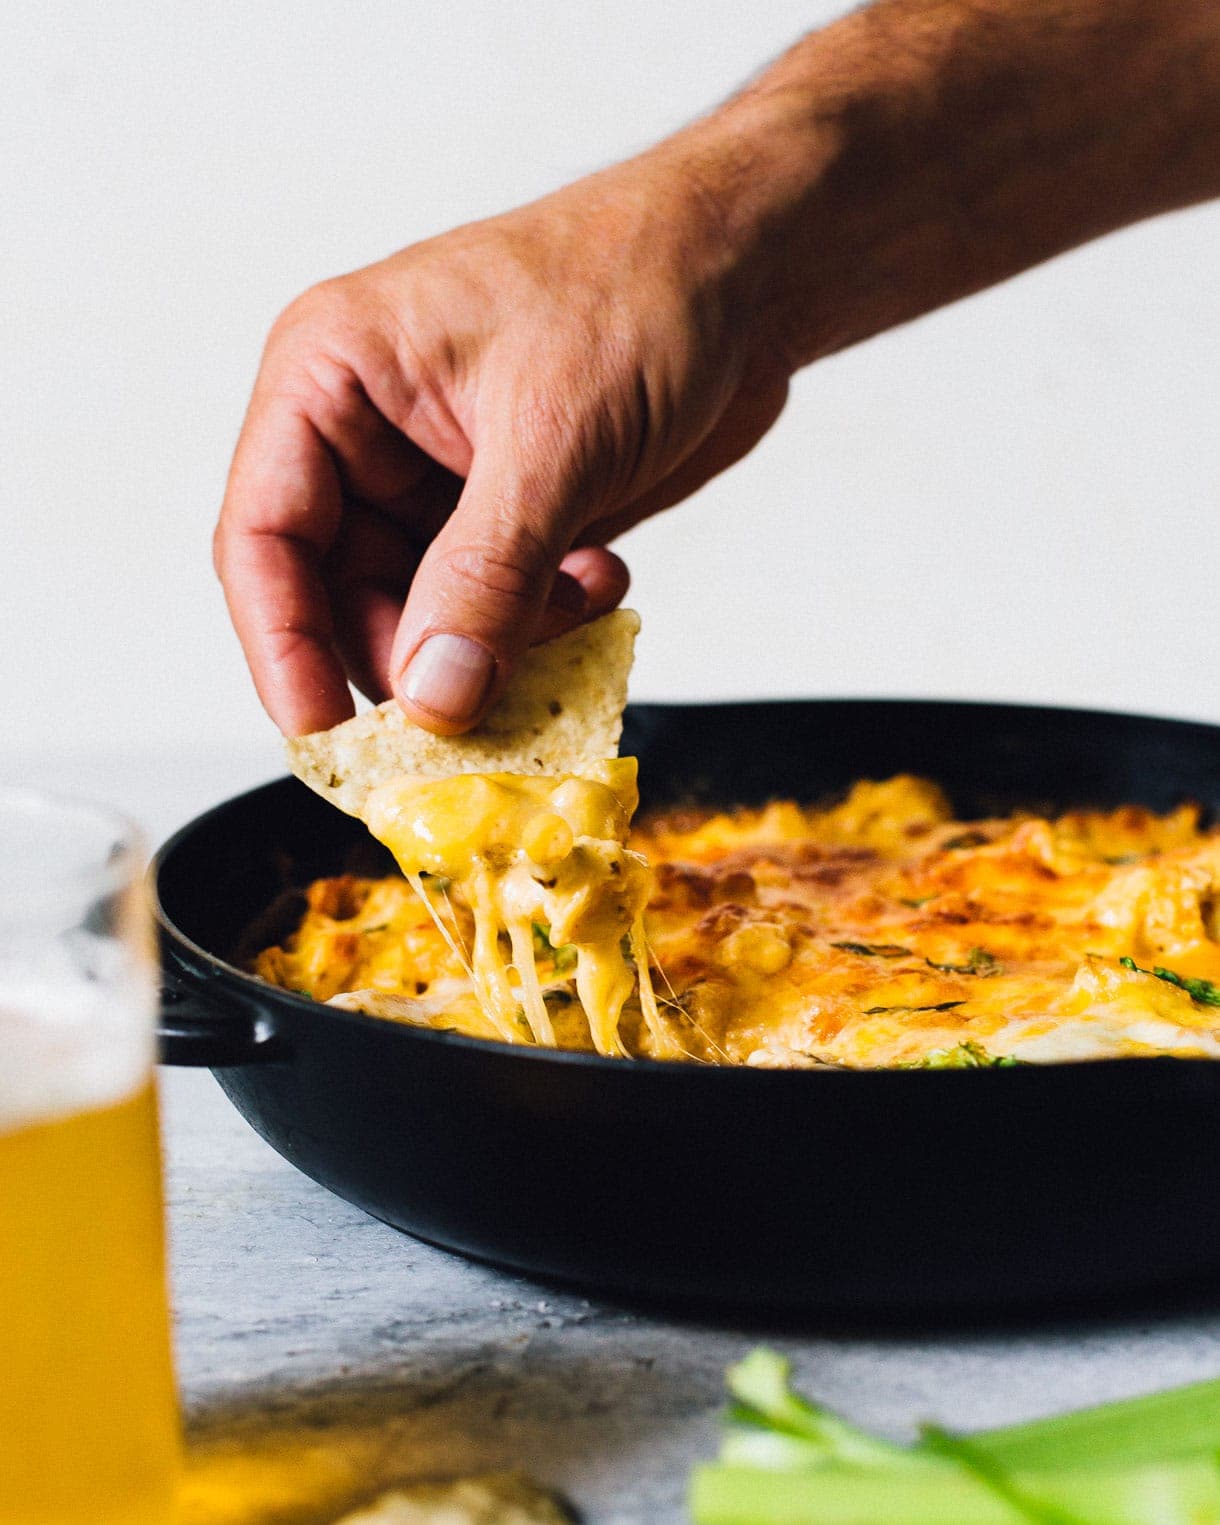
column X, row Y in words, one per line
column 448, row 825
column 528, row 850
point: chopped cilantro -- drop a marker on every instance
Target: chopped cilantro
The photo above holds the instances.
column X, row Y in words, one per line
column 872, row 1011
column 875, row 950
column 978, row 961
column 563, row 957
column 1202, row 991
column 963, row 1056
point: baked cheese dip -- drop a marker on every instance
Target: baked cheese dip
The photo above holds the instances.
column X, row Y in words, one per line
column 877, row 930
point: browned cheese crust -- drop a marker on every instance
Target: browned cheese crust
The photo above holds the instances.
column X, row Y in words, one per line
column 876, row 931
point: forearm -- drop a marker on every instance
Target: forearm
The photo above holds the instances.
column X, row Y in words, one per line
column 919, row 150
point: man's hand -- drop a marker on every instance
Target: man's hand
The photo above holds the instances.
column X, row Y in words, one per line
column 469, row 422
column 463, row 426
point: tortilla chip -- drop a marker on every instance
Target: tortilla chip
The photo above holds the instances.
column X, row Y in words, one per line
column 561, row 712
column 495, row 1499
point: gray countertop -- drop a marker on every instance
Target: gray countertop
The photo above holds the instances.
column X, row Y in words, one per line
column 302, row 1322
column 338, row 1353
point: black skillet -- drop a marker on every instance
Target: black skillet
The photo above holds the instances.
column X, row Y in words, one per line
column 866, row 1191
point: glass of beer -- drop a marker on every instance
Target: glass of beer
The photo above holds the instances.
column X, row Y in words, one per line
column 88, row 1414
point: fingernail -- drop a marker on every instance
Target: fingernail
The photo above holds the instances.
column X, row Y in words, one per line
column 449, row 676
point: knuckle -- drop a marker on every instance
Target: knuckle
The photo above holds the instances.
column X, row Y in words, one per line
column 299, row 315
column 285, row 643
column 321, row 309
column 507, row 573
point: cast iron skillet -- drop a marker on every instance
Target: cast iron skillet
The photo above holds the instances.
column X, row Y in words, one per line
column 866, row 1191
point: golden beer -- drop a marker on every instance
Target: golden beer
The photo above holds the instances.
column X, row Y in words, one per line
column 88, row 1414
column 88, row 1431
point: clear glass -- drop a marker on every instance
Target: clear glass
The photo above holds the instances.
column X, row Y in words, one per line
column 88, row 1413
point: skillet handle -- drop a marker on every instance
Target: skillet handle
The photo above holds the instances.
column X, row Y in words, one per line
column 191, row 1031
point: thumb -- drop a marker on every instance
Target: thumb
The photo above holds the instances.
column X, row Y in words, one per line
column 478, row 597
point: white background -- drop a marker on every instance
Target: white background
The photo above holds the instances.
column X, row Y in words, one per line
column 1015, row 498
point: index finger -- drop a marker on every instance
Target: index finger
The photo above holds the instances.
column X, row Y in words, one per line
column 281, row 512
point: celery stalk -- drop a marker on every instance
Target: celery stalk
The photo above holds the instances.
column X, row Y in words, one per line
column 976, row 1460
column 1142, row 1461
column 754, row 1445
column 835, row 1495
column 1183, row 1421
column 760, row 1383
column 1183, row 1492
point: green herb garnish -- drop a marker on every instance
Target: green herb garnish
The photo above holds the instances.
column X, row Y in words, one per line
column 1202, row 991
column 962, row 1056
column 875, row 950
column 872, row 1011
column 563, row 957
column 978, row 961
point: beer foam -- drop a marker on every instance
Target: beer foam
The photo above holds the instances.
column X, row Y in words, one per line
column 68, row 1048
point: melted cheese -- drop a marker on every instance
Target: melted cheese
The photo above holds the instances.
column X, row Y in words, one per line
column 525, row 852
column 878, row 931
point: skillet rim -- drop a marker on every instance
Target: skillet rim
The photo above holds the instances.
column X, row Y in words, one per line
column 308, row 1009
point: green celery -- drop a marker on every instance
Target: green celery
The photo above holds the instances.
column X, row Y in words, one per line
column 1141, row 1461
column 760, row 1384
column 1184, row 1492
column 1184, row 1421
column 752, row 1443
column 721, row 1494
column 976, row 1460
